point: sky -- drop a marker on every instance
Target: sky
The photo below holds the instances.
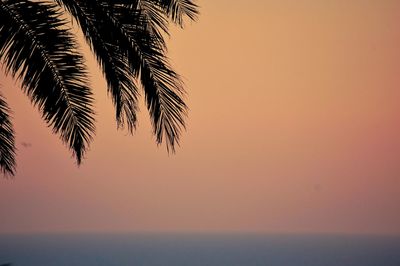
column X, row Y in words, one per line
column 294, row 126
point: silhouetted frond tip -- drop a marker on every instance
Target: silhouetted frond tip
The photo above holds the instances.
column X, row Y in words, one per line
column 7, row 140
column 178, row 9
column 162, row 86
column 127, row 38
column 127, row 35
column 101, row 37
column 38, row 48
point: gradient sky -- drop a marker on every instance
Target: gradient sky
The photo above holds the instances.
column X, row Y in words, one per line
column 294, row 126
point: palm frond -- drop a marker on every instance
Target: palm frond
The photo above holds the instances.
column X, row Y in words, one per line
column 7, row 140
column 129, row 26
column 113, row 61
column 178, row 9
column 38, row 48
column 162, row 86
column 153, row 19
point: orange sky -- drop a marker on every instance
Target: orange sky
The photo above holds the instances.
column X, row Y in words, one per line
column 294, row 126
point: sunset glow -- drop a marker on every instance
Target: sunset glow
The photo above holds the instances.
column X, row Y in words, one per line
column 294, row 126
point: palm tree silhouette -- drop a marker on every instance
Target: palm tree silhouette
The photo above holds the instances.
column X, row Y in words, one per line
column 38, row 47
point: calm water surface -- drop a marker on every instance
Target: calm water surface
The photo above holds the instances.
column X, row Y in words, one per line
column 199, row 250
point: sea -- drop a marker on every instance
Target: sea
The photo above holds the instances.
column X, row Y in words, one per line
column 186, row 249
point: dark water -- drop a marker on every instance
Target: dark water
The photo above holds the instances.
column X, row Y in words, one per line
column 199, row 250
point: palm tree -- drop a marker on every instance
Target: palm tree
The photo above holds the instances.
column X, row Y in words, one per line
column 38, row 47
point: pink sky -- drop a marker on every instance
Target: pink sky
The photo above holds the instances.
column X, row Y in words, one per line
column 294, row 126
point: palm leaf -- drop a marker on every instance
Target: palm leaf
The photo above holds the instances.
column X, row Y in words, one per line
column 38, row 48
column 162, row 86
column 153, row 20
column 7, row 140
column 130, row 27
column 178, row 9
column 113, row 61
